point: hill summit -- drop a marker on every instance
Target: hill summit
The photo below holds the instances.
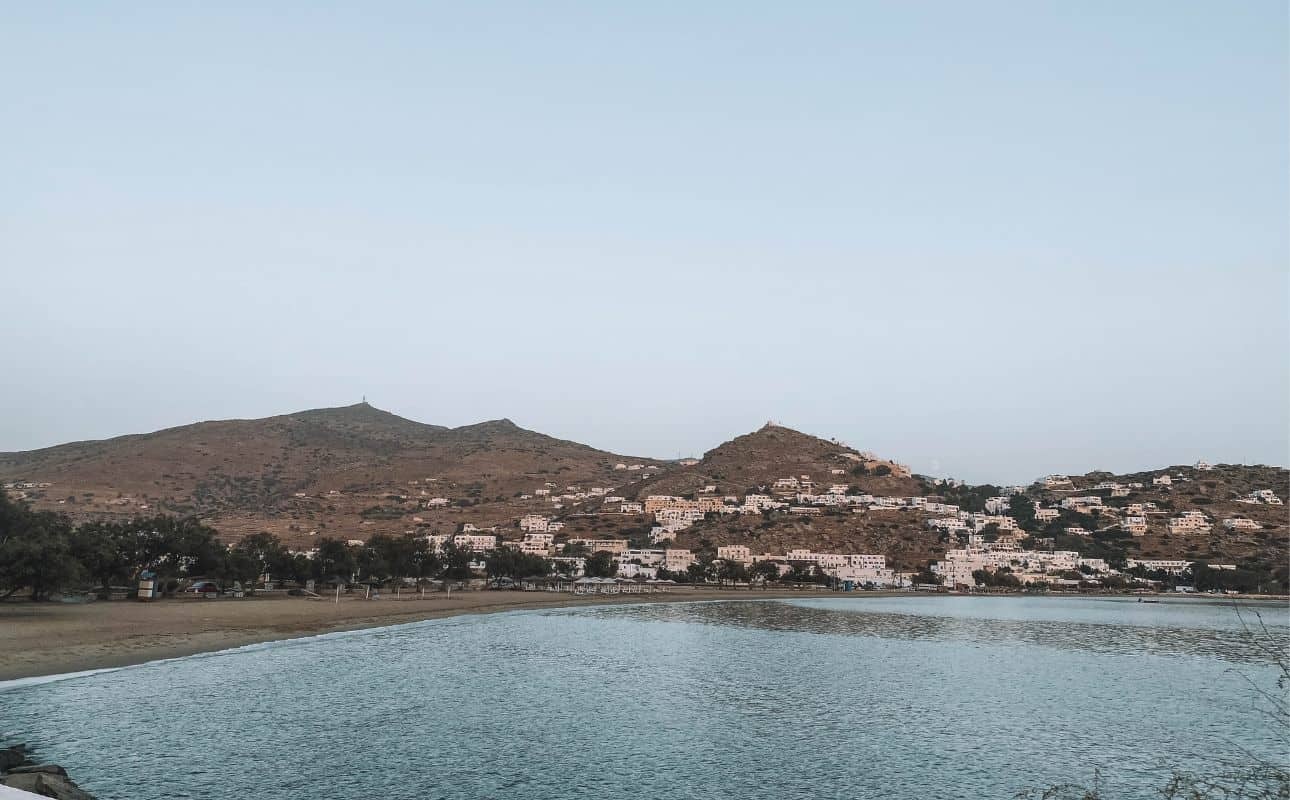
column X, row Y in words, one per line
column 319, row 469
column 751, row 462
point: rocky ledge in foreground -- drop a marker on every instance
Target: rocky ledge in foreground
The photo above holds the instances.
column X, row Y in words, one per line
column 18, row 771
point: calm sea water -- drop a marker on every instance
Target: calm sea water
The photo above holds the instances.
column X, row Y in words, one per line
column 910, row 697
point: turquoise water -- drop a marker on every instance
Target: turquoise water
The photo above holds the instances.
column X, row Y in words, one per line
column 910, row 697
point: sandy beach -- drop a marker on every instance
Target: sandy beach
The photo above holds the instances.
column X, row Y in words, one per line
column 53, row 638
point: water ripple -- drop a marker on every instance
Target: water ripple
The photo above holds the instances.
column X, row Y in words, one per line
column 748, row 700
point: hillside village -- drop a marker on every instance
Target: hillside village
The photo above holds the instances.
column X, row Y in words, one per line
column 987, row 546
column 774, row 504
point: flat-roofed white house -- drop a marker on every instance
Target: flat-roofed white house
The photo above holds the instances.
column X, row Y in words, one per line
column 1189, row 522
column 805, row 511
column 998, row 505
column 608, row 545
column 630, row 570
column 677, row 560
column 534, row 522
column 1134, row 525
column 1171, row 565
column 737, row 553
column 947, row 523
column 534, row 547
column 1266, row 496
column 653, row 558
column 787, row 485
column 476, row 542
column 662, row 533
column 956, row 573
column 1241, row 524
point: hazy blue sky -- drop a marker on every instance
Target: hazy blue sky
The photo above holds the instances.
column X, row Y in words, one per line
column 992, row 240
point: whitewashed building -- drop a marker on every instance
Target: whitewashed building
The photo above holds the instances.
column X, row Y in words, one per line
column 1189, row 522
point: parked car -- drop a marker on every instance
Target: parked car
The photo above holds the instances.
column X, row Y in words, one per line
column 203, row 587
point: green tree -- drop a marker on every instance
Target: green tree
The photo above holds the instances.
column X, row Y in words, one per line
column 238, row 566
column 927, row 576
column 766, row 570
column 1022, row 509
column 106, row 553
column 425, row 562
column 372, row 559
column 575, row 550
column 334, row 559
column 298, row 567
column 799, row 572
column 35, row 550
column 455, row 562
column 702, row 570
column 507, row 562
column 404, row 555
column 990, row 532
column 600, row 564
column 731, row 572
column 266, row 551
column 174, row 547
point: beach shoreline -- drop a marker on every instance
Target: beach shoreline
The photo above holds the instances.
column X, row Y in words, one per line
column 45, row 639
column 49, row 639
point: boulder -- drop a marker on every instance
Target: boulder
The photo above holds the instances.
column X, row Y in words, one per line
column 11, row 757
column 46, row 784
column 49, row 769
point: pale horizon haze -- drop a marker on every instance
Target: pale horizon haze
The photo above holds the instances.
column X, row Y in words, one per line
column 990, row 240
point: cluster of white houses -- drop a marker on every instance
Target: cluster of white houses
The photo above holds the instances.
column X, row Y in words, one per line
column 988, row 540
column 1261, row 497
column 800, row 495
column 20, row 489
column 673, row 514
column 1053, row 567
column 647, row 562
column 797, row 495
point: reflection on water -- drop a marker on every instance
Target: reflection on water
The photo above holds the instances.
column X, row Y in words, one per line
column 1247, row 635
column 897, row 699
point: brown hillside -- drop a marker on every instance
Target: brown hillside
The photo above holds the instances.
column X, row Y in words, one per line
column 751, row 462
column 355, row 471
column 347, row 471
column 901, row 536
column 1216, row 493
